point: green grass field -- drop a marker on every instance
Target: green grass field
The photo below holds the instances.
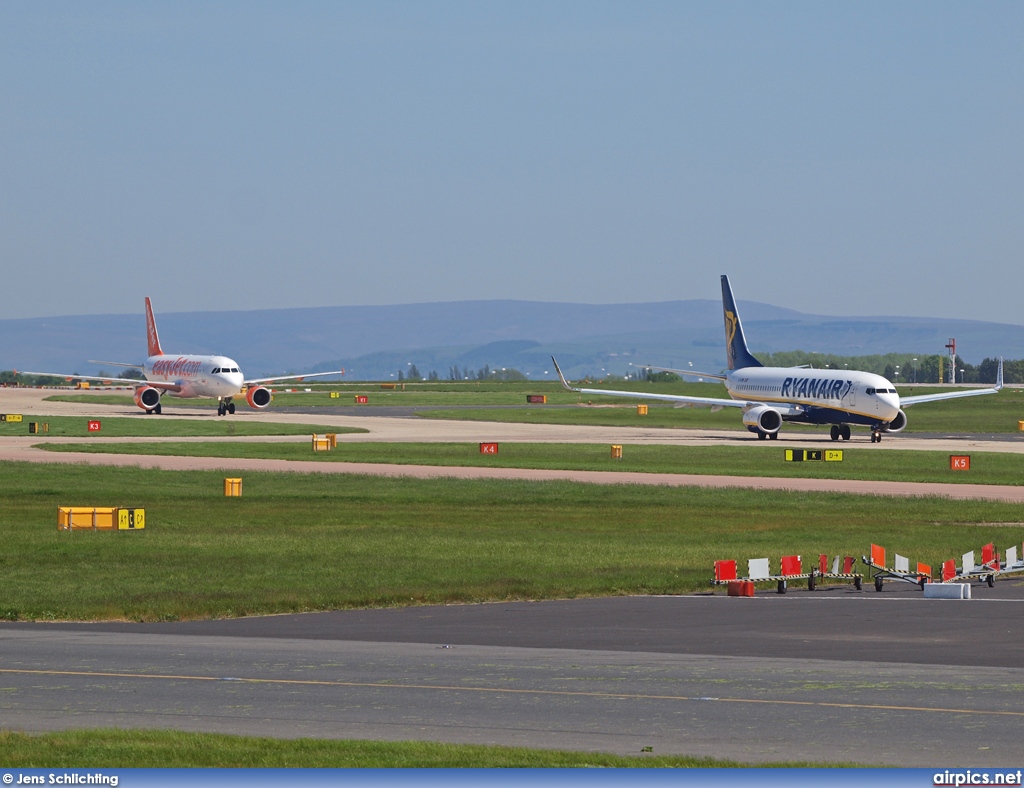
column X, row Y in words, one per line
column 158, row 426
column 299, row 542
column 758, row 459
column 147, row 749
column 993, row 414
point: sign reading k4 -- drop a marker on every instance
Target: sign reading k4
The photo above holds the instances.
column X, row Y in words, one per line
column 488, row 448
column 959, row 462
column 94, row 426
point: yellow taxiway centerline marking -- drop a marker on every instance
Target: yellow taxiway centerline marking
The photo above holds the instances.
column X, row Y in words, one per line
column 511, row 691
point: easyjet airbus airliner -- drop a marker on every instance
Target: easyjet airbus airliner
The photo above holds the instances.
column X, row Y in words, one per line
column 769, row 396
column 190, row 376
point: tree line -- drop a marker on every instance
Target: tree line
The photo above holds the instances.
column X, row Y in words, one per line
column 903, row 367
column 465, row 373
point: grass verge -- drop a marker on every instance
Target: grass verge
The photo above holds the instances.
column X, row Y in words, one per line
column 298, row 542
column 151, row 749
column 753, row 460
column 144, row 426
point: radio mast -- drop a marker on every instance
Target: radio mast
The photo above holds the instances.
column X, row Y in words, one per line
column 951, row 347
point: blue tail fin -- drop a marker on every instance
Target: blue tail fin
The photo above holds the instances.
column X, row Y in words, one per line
column 735, row 345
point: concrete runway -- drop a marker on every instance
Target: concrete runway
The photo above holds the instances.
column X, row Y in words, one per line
column 30, row 402
column 829, row 676
column 382, row 429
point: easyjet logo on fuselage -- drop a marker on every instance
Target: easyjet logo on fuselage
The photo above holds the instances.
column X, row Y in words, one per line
column 178, row 367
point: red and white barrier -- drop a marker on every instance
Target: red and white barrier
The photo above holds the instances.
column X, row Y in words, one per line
column 900, row 571
column 790, row 568
column 987, row 571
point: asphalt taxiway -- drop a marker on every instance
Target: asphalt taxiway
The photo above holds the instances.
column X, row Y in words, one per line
column 824, row 677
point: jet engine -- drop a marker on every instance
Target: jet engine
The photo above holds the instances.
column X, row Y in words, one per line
column 147, row 397
column 897, row 424
column 762, row 418
column 258, row 397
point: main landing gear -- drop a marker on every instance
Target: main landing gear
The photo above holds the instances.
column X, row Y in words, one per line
column 840, row 431
column 225, row 406
column 155, row 410
column 765, row 435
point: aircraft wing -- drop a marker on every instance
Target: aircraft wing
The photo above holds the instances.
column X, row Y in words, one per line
column 712, row 402
column 292, row 377
column 906, row 402
column 692, row 372
column 105, row 379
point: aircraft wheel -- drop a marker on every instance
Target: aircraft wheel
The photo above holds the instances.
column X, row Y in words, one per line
column 149, row 411
column 810, row 583
column 845, row 432
column 158, row 409
column 782, row 587
column 220, row 408
column 991, row 580
column 761, row 436
column 773, row 435
column 834, row 432
column 858, row 583
column 878, row 584
column 231, row 407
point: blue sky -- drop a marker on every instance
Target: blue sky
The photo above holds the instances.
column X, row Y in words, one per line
column 839, row 158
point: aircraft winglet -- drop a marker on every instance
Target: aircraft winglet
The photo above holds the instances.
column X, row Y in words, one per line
column 560, row 375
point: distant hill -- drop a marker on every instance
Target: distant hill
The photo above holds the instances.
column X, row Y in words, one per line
column 375, row 342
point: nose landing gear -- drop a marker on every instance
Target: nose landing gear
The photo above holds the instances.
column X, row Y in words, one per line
column 225, row 406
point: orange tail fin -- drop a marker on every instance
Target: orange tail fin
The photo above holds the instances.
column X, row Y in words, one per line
column 152, row 338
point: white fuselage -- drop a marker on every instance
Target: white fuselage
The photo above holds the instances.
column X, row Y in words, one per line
column 195, row 376
column 816, row 395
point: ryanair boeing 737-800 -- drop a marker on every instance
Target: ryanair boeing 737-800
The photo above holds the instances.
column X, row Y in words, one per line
column 769, row 396
column 190, row 376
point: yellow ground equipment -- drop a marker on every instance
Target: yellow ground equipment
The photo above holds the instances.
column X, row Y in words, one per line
column 100, row 518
